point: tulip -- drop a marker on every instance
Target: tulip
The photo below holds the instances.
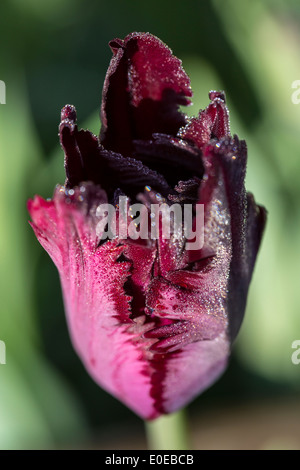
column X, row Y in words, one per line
column 152, row 321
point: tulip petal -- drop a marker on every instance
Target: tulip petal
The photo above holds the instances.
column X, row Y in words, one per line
column 212, row 123
column 97, row 307
column 87, row 160
column 100, row 314
column 170, row 157
column 108, row 335
column 140, row 96
column 247, row 221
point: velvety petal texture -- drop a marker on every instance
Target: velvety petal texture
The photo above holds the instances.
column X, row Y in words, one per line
column 152, row 320
column 144, row 86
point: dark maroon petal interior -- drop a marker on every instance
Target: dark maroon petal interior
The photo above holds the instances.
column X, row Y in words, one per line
column 170, row 157
column 87, row 160
column 242, row 264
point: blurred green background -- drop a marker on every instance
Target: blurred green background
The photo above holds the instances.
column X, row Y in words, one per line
column 53, row 53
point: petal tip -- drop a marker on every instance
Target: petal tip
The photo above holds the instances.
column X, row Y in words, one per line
column 217, row 95
column 68, row 113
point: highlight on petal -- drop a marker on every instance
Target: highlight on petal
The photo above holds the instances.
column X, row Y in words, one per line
column 152, row 319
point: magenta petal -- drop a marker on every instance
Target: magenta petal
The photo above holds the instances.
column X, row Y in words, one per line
column 140, row 97
column 108, row 334
column 97, row 308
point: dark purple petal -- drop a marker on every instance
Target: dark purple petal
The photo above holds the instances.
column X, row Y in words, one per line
column 171, row 157
column 115, row 337
column 74, row 166
column 87, row 160
column 144, row 86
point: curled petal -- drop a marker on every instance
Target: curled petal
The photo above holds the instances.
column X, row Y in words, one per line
column 87, row 160
column 212, row 123
column 140, row 96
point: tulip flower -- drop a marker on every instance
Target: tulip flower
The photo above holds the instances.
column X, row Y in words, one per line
column 152, row 321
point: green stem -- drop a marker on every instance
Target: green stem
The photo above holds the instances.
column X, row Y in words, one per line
column 168, row 432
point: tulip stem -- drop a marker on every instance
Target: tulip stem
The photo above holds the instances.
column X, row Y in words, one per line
column 168, row 432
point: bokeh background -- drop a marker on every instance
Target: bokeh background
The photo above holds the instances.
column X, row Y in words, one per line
column 53, row 53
